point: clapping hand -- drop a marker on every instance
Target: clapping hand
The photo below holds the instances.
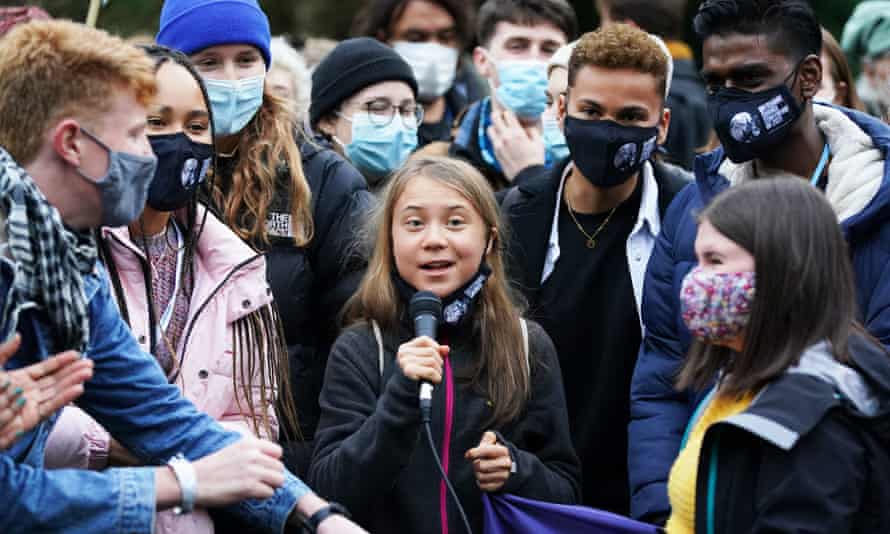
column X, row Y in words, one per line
column 31, row 394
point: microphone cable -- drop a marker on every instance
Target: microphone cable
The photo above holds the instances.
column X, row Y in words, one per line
column 425, row 409
column 425, row 310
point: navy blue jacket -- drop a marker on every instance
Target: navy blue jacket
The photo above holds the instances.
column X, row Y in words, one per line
column 659, row 413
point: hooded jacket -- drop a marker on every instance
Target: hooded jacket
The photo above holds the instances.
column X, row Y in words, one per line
column 858, row 188
column 810, row 454
column 371, row 453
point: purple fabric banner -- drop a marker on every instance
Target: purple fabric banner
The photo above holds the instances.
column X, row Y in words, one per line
column 508, row 514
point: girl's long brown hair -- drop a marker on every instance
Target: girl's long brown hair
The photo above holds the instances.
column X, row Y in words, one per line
column 500, row 371
column 267, row 143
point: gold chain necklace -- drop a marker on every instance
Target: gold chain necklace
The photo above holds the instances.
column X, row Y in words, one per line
column 591, row 239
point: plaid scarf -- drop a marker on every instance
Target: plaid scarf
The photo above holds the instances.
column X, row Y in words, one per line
column 50, row 259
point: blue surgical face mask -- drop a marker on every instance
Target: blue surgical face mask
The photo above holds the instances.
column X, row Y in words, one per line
column 125, row 185
column 522, row 87
column 555, row 140
column 378, row 150
column 234, row 103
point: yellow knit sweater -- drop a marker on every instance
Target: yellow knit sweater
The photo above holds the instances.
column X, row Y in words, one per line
column 684, row 473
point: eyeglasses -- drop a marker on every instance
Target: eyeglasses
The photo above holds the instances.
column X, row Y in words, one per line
column 381, row 113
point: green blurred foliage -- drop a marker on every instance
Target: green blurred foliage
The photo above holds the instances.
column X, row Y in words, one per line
column 332, row 18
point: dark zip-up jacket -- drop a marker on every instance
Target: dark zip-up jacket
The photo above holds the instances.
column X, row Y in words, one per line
column 311, row 284
column 371, row 452
column 802, row 458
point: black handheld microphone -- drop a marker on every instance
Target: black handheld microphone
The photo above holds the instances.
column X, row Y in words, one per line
column 425, row 309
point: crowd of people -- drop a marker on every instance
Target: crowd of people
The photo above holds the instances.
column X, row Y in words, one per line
column 659, row 282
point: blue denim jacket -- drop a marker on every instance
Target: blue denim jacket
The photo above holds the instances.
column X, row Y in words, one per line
column 130, row 396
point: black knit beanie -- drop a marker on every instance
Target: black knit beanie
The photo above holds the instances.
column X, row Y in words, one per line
column 350, row 67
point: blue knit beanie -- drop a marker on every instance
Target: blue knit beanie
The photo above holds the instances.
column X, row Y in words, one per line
column 193, row 25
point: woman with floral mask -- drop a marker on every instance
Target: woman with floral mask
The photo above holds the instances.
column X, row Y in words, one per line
column 793, row 437
column 194, row 295
column 498, row 417
column 364, row 105
column 286, row 196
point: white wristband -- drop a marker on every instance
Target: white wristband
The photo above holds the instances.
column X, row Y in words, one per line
column 188, row 483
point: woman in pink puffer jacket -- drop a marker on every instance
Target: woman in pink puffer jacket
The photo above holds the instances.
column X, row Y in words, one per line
column 195, row 296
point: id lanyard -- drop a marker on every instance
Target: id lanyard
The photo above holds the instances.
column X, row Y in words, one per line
column 168, row 313
column 821, row 166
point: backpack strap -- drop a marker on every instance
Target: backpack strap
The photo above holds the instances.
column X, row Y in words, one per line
column 379, row 337
column 523, row 325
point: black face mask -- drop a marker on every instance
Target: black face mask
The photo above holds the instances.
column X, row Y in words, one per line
column 608, row 153
column 182, row 167
column 751, row 125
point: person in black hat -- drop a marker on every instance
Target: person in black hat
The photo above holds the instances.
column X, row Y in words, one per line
column 364, row 105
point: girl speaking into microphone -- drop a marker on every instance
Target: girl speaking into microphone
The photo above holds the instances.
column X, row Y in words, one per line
column 498, row 418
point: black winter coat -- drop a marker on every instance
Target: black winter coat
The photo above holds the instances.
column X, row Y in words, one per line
column 311, row 284
column 801, row 458
column 371, row 453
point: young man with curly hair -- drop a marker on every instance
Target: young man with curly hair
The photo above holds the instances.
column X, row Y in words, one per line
column 601, row 210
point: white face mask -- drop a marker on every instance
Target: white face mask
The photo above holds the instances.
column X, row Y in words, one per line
column 434, row 66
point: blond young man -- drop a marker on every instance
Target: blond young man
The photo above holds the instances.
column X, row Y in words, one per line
column 74, row 156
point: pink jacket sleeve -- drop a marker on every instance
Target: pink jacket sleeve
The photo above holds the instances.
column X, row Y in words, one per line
column 77, row 441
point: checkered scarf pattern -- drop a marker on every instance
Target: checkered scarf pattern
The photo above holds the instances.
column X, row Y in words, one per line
column 50, row 259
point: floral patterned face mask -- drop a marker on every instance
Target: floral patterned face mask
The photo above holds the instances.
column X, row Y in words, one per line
column 716, row 306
